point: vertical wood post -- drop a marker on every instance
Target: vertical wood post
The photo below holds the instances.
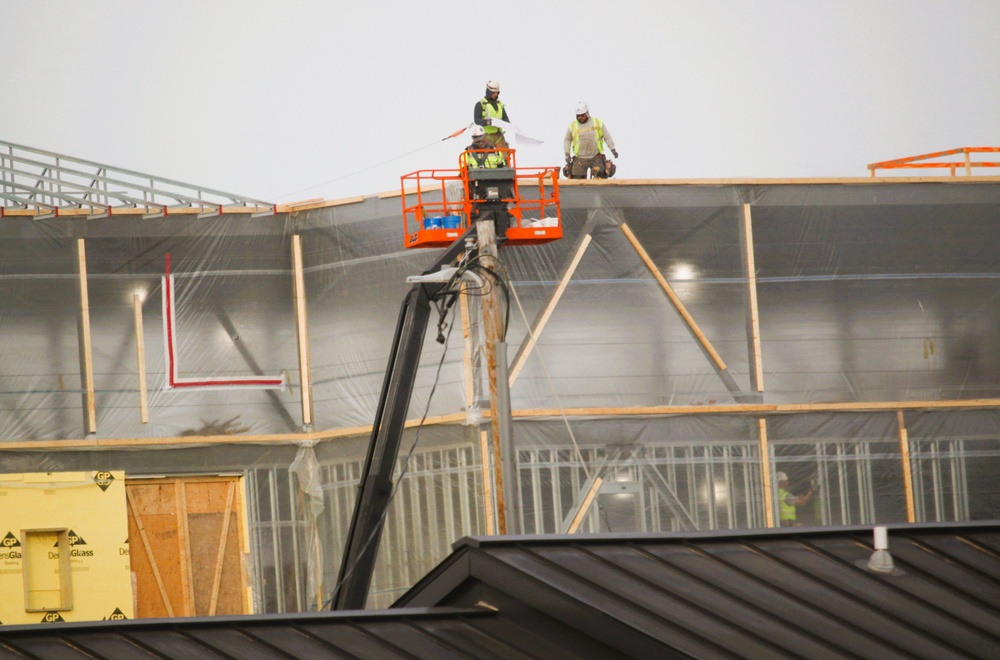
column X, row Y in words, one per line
column 904, row 451
column 765, row 471
column 753, row 317
column 484, row 451
column 493, row 328
column 756, row 359
column 140, row 356
column 302, row 331
column 86, row 354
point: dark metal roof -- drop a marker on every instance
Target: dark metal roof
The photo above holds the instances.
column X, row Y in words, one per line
column 772, row 593
column 778, row 593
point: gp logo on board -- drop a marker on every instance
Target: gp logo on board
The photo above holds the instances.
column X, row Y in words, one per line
column 74, row 540
column 9, row 547
column 103, row 479
column 117, row 615
column 53, row 617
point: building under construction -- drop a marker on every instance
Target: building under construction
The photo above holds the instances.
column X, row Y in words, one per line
column 219, row 360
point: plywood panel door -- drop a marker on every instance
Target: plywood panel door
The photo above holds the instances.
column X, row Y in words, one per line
column 187, row 545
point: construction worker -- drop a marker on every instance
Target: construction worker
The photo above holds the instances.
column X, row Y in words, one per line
column 476, row 157
column 487, row 109
column 788, row 503
column 483, row 154
column 584, row 147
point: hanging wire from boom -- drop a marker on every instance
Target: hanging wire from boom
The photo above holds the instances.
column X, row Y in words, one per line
column 372, row 167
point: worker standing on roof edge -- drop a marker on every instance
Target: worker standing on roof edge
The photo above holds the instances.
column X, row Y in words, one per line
column 788, row 503
column 584, row 147
column 487, row 109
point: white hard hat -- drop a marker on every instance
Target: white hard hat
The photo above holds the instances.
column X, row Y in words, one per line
column 493, row 86
column 781, row 476
column 581, row 108
column 478, row 131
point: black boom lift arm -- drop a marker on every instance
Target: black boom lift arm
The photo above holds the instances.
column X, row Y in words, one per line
column 375, row 487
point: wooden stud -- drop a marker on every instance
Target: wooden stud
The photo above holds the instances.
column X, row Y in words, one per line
column 470, row 372
column 765, row 471
column 588, row 500
column 904, row 451
column 302, row 331
column 184, row 545
column 678, row 305
column 493, row 330
column 544, row 318
column 86, row 352
column 220, row 561
column 140, row 354
column 484, row 452
column 753, row 319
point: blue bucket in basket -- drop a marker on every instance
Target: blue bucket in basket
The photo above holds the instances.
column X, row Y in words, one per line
column 451, row 221
column 432, row 223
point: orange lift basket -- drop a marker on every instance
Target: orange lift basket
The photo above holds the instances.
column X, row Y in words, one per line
column 437, row 204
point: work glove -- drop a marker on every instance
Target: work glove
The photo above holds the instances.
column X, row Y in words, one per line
column 569, row 161
column 615, row 153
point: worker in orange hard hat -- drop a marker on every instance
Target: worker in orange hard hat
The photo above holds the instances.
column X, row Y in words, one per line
column 487, row 109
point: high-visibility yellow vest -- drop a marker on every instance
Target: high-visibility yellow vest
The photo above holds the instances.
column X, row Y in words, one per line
column 786, row 510
column 598, row 126
column 483, row 159
column 490, row 113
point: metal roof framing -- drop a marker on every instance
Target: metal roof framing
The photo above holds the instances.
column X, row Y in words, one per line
column 47, row 184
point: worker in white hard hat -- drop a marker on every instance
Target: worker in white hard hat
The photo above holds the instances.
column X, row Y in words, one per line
column 483, row 154
column 584, row 146
column 476, row 157
column 487, row 109
column 788, row 502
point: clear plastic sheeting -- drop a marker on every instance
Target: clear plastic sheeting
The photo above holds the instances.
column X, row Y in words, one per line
column 860, row 356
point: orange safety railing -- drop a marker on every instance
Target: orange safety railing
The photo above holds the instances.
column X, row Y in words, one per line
column 919, row 162
column 437, row 204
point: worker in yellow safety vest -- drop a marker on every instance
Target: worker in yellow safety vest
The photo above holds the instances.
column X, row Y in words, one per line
column 482, row 154
column 487, row 109
column 788, row 502
column 475, row 155
column 584, row 147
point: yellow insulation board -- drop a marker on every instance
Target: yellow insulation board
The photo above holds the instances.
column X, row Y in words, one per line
column 90, row 508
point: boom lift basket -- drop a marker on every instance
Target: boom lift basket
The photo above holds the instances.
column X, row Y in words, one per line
column 437, row 204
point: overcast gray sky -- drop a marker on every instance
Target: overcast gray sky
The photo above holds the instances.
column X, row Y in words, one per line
column 298, row 99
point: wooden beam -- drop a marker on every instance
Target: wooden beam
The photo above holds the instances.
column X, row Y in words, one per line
column 461, row 418
column 140, row 355
column 904, row 452
column 484, row 452
column 86, row 351
column 678, row 305
column 221, row 558
column 302, row 331
column 765, row 471
column 535, row 331
column 184, row 547
column 753, row 319
column 493, row 330
column 588, row 500
column 467, row 352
